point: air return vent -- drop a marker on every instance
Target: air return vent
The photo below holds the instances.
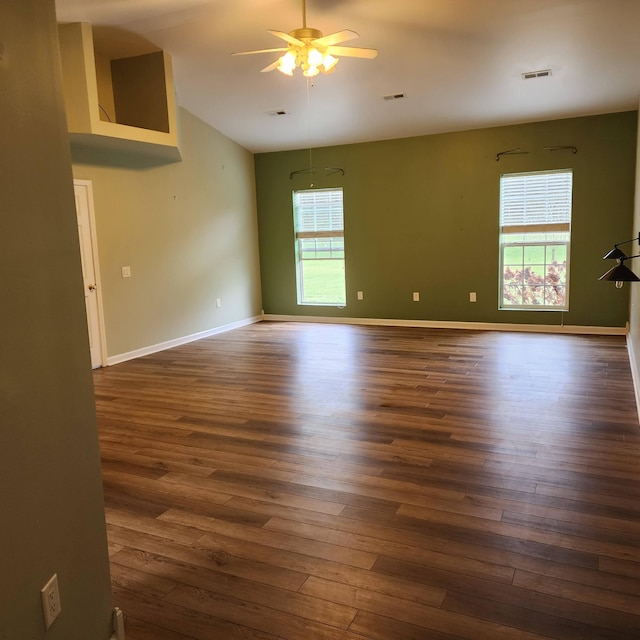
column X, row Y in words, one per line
column 394, row 96
column 530, row 75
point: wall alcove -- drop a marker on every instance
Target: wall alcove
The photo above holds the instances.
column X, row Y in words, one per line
column 119, row 91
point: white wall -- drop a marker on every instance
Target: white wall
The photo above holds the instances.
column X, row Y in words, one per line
column 189, row 232
column 634, row 311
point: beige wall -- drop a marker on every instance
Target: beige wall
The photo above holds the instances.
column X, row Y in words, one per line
column 634, row 312
column 188, row 230
column 50, row 485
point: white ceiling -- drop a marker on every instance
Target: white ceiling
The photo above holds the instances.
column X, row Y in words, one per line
column 458, row 62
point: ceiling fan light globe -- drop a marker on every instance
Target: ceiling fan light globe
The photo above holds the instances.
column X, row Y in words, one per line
column 329, row 62
column 311, row 72
column 289, row 59
column 287, row 63
column 314, row 57
column 285, row 70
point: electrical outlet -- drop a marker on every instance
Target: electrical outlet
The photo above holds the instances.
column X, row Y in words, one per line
column 360, row 295
column 126, row 272
column 118, row 623
column 472, row 296
column 218, row 302
column 416, row 296
column 51, row 600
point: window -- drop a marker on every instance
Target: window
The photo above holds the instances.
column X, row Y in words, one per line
column 535, row 232
column 319, row 229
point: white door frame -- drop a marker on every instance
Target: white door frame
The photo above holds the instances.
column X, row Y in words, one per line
column 88, row 187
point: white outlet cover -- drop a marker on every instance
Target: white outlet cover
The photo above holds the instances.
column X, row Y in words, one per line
column 51, row 600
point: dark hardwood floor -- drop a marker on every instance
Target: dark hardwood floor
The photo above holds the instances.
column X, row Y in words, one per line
column 333, row 482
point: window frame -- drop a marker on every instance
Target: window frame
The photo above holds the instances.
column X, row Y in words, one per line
column 546, row 228
column 326, row 234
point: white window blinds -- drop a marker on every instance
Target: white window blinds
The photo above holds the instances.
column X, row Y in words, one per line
column 318, row 210
column 542, row 198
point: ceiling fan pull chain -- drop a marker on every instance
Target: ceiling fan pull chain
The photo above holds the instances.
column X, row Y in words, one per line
column 309, row 85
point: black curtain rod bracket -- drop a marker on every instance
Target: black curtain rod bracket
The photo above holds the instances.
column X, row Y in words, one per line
column 328, row 170
column 510, row 152
column 518, row 151
column 307, row 170
column 562, row 147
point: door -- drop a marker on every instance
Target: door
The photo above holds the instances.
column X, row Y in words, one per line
column 89, row 256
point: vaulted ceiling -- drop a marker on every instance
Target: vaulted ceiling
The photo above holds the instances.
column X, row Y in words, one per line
column 458, row 63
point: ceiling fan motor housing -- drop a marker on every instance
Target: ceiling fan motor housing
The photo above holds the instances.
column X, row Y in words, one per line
column 305, row 34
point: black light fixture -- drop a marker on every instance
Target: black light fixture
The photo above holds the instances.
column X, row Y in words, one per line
column 620, row 273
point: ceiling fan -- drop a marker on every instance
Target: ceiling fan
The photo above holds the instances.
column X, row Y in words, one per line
column 310, row 50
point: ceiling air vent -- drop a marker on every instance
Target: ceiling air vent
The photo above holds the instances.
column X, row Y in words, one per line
column 394, row 96
column 277, row 112
column 543, row 73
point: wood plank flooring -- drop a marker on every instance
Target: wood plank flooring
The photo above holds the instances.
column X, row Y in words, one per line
column 291, row 481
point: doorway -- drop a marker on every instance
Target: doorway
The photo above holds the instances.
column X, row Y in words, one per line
column 90, row 272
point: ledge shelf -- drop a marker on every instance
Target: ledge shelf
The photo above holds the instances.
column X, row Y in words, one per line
column 113, row 101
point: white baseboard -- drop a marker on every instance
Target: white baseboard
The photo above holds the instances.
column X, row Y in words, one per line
column 169, row 344
column 447, row 324
column 388, row 322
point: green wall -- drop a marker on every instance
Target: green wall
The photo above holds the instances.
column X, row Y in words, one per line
column 421, row 214
column 50, row 484
column 188, row 230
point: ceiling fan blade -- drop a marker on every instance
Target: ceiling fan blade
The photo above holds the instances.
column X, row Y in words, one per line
column 271, row 67
column 353, row 52
column 248, row 53
column 286, row 37
column 335, row 38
